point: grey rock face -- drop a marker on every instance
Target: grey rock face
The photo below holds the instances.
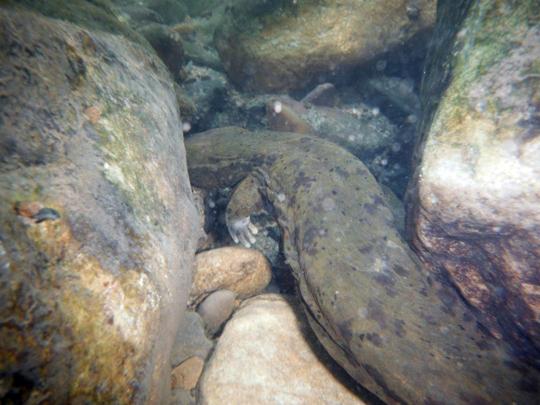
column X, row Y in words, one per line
column 190, row 340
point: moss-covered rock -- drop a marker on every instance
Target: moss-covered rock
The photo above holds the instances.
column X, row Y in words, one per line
column 171, row 11
column 168, row 48
column 90, row 14
column 475, row 201
column 97, row 225
column 284, row 45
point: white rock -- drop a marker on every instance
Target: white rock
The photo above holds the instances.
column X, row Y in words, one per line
column 263, row 357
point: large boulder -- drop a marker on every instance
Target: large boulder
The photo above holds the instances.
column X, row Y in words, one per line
column 278, row 46
column 474, row 212
column 97, row 223
column 268, row 355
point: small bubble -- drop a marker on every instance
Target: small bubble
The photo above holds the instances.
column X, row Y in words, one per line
column 481, row 106
column 412, row 118
column 351, row 138
column 211, row 204
column 362, row 313
column 186, row 127
column 384, row 162
column 396, row 147
column 375, row 111
column 328, row 204
column 277, row 107
column 281, row 197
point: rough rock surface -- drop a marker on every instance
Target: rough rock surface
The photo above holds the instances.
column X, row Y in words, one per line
column 400, row 332
column 264, row 357
column 216, row 309
column 207, row 88
column 168, row 48
column 97, row 225
column 186, row 375
column 243, row 271
column 475, row 204
column 278, row 46
column 190, row 340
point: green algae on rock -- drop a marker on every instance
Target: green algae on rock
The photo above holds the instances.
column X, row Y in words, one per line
column 474, row 202
column 91, row 296
column 281, row 46
column 398, row 331
column 90, row 14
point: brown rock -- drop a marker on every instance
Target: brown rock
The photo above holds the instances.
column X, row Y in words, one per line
column 324, row 94
column 264, row 357
column 187, row 374
column 282, row 47
column 241, row 270
column 93, row 113
column 282, row 117
column 28, row 209
column 474, row 209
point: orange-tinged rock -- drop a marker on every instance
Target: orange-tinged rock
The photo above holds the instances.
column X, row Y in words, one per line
column 93, row 114
column 28, row 209
column 186, row 375
column 240, row 270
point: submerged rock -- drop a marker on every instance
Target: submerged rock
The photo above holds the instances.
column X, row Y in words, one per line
column 264, row 356
column 216, row 309
column 190, row 340
column 208, row 89
column 237, row 269
column 474, row 206
column 279, row 46
column 324, row 95
column 186, row 375
column 168, row 48
column 95, row 274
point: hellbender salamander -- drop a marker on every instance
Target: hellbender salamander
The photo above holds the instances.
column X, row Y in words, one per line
column 399, row 331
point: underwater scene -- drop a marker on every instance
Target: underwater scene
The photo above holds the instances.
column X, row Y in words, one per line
column 270, row 202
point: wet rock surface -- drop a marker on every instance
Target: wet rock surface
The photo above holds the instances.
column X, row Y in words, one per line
column 279, row 46
column 265, row 356
column 216, row 309
column 237, row 269
column 190, row 340
column 474, row 205
column 186, row 375
column 97, row 224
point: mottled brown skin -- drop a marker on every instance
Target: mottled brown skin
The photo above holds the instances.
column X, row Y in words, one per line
column 398, row 331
